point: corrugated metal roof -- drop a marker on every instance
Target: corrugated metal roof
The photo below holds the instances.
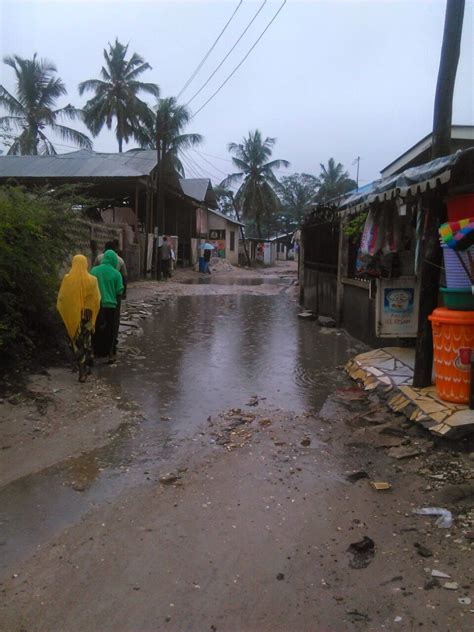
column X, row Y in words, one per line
column 200, row 189
column 80, row 164
column 226, row 217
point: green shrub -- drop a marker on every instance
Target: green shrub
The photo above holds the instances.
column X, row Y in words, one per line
column 34, row 243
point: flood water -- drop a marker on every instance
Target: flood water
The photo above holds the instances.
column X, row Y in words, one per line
column 198, row 356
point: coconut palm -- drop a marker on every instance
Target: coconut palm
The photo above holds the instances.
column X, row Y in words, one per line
column 167, row 125
column 32, row 109
column 333, row 181
column 256, row 195
column 116, row 94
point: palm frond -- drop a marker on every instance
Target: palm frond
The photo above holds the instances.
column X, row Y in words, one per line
column 69, row 134
column 10, row 103
column 91, row 84
column 232, row 178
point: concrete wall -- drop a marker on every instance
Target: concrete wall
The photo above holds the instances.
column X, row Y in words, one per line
column 220, row 223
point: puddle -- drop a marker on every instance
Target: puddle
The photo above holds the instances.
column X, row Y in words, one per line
column 198, row 356
column 210, row 280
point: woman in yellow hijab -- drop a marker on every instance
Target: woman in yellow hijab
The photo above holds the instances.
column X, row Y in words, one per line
column 79, row 303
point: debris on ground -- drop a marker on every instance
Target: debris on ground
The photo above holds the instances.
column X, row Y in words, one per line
column 380, row 485
column 451, row 585
column 440, row 574
column 405, row 452
column 422, row 550
column 357, row 476
column 326, row 321
column 169, row 478
column 362, row 551
column 445, row 519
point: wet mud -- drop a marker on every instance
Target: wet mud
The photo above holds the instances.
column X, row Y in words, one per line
column 232, row 501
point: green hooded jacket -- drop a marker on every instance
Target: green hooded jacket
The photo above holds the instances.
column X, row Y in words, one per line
column 109, row 279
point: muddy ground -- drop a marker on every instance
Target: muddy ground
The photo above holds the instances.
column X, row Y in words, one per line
column 245, row 523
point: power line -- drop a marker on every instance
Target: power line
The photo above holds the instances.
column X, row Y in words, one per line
column 201, row 63
column 240, row 64
column 230, row 51
column 204, row 172
column 210, row 163
column 217, row 157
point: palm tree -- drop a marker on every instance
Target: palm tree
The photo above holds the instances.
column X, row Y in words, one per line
column 167, row 125
column 256, row 195
column 32, row 109
column 333, row 181
column 116, row 94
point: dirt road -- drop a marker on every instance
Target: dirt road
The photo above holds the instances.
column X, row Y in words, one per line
column 229, row 478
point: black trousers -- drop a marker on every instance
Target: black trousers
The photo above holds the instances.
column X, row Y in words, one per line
column 104, row 339
column 165, row 268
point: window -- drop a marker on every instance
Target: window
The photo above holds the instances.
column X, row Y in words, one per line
column 232, row 240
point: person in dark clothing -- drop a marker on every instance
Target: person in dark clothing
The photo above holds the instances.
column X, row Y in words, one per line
column 207, row 258
column 165, row 256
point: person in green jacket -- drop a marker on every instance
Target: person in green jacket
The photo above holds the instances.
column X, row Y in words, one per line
column 104, row 340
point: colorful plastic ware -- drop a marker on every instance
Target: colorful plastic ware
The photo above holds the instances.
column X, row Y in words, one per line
column 453, row 344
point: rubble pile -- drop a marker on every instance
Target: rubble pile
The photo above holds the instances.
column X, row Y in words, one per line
column 221, row 265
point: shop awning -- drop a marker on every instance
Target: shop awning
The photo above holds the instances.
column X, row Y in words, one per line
column 410, row 182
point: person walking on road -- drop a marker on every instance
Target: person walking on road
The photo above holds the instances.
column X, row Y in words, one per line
column 78, row 304
column 122, row 268
column 111, row 288
column 165, row 256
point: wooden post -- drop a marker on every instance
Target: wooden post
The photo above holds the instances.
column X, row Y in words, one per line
column 431, row 251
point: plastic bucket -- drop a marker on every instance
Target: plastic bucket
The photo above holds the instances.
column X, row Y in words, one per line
column 458, row 298
column 453, row 344
column 460, row 207
column 456, row 276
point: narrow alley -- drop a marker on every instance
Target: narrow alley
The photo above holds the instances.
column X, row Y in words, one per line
column 233, row 492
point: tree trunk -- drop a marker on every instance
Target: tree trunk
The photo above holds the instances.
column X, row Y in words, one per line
column 431, row 251
column 247, row 256
column 120, row 141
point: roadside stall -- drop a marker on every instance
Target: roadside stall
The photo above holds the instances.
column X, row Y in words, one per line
column 386, row 258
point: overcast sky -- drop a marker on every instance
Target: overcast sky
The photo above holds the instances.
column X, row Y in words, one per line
column 328, row 79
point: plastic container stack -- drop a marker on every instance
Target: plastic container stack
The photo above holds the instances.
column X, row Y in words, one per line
column 453, row 325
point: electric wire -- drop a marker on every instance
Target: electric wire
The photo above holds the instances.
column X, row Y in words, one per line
column 227, row 55
column 210, row 163
column 241, row 62
column 198, row 167
column 201, row 63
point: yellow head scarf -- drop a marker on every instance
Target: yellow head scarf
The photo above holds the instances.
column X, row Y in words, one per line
column 79, row 291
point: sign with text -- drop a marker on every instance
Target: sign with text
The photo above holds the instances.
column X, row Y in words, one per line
column 397, row 308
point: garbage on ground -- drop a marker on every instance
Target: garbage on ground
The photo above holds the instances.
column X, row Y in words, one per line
column 363, row 551
column 380, row 485
column 445, row 519
column 357, row 476
column 451, row 585
column 168, row 479
column 422, row 550
column 465, row 601
column 440, row 574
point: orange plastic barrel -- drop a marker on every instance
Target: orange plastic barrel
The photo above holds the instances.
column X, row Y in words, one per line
column 453, row 344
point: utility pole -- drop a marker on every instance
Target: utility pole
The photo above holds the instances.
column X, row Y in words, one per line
column 357, row 160
column 160, row 192
column 441, row 146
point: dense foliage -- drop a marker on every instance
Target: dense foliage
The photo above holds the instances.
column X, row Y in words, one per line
column 116, row 95
column 34, row 244
column 256, row 195
column 166, row 125
column 32, row 108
